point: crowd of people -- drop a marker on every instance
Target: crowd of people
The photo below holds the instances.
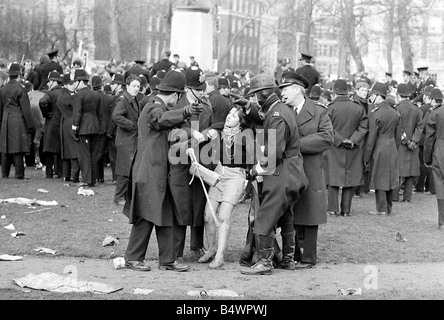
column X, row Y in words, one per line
column 300, row 148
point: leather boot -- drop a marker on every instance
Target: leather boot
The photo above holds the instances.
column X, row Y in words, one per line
column 265, row 264
column 288, row 249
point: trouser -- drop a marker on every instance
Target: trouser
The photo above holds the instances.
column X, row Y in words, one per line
column 30, row 157
column 17, row 159
column 441, row 212
column 384, row 200
column 112, row 154
column 122, row 184
column 306, row 237
column 71, row 170
column 197, row 238
column 87, row 156
column 365, row 187
column 53, row 160
column 346, row 199
column 425, row 180
column 407, row 186
column 140, row 237
column 102, row 155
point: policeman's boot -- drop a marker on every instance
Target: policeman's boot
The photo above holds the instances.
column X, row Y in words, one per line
column 288, row 249
column 265, row 264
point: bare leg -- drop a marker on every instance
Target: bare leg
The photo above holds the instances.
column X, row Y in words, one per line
column 210, row 231
column 225, row 211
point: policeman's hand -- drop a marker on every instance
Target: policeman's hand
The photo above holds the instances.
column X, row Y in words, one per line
column 75, row 133
column 245, row 104
column 412, row 145
column 253, row 174
column 212, row 134
column 192, row 109
column 428, row 164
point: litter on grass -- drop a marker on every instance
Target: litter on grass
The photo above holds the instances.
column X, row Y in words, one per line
column 119, row 263
column 43, row 191
column 350, row 291
column 110, row 241
column 29, row 202
column 212, row 293
column 49, row 281
column 45, row 250
column 3, row 217
column 400, row 238
column 10, row 227
column 85, row 192
column 17, row 234
column 143, row 291
column 7, row 257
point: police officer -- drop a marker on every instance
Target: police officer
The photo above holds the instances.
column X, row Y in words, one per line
column 281, row 167
column 137, row 69
column 316, row 92
column 434, row 148
column 316, row 136
column 412, row 126
column 350, row 124
column 15, row 124
column 164, row 64
column 47, row 68
column 86, row 127
column 51, row 130
column 308, row 71
column 382, row 148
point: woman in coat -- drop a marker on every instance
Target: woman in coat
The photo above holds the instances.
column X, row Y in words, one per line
column 382, row 149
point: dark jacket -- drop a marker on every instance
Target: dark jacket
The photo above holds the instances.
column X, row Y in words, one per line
column 44, row 72
column 87, row 114
column 51, row 113
column 163, row 64
column 15, row 119
column 221, row 106
column 66, row 103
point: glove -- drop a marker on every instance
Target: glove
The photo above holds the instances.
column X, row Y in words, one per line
column 412, row 145
column 194, row 108
column 253, row 174
column 212, row 134
column 428, row 164
column 347, row 144
column 75, row 133
column 245, row 104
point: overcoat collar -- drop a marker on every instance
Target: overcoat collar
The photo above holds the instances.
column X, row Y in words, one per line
column 307, row 112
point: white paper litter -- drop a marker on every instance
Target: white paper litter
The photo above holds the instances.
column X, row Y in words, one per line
column 85, row 192
column 10, row 227
column 49, row 281
column 119, row 263
column 110, row 241
column 400, row 238
column 3, row 217
column 350, row 291
column 43, row 191
column 17, row 234
column 212, row 293
column 143, row 291
column 7, row 257
column 45, row 250
column 29, row 202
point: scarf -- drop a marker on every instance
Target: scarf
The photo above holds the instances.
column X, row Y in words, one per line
column 229, row 135
column 267, row 105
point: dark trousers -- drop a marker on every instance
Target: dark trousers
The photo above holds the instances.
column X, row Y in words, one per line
column 53, row 160
column 121, row 188
column 102, row 156
column 384, row 201
column 425, row 180
column 112, row 154
column 407, row 189
column 140, row 237
column 346, row 199
column 440, row 212
column 306, row 237
column 87, row 157
column 8, row 159
column 196, row 238
column 71, row 170
column 365, row 187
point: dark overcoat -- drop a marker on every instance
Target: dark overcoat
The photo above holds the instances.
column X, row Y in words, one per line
column 285, row 180
column 150, row 196
column 125, row 116
column 434, row 148
column 15, row 119
column 44, row 72
column 349, row 121
column 106, row 102
column 87, row 114
column 412, row 126
column 51, row 113
column 316, row 136
column 66, row 103
column 382, row 147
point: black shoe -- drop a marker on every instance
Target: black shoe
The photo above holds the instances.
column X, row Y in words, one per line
column 345, row 214
column 332, row 213
column 137, row 266
column 174, row 266
column 100, row 180
column 303, row 265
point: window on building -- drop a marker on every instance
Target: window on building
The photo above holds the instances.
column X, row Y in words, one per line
column 149, row 50
column 156, row 50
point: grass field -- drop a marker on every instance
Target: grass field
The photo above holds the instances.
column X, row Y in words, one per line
column 78, row 225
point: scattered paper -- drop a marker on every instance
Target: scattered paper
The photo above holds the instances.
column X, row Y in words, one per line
column 17, row 234
column 350, row 291
column 212, row 293
column 143, row 291
column 47, row 203
column 85, row 192
column 29, row 202
column 43, row 191
column 3, row 217
column 34, row 211
column 10, row 227
column 7, row 257
column 45, row 250
column 55, row 283
column 400, row 238
column 110, row 241
column 119, row 263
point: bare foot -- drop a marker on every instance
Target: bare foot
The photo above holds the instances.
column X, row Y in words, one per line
column 207, row 257
column 216, row 264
